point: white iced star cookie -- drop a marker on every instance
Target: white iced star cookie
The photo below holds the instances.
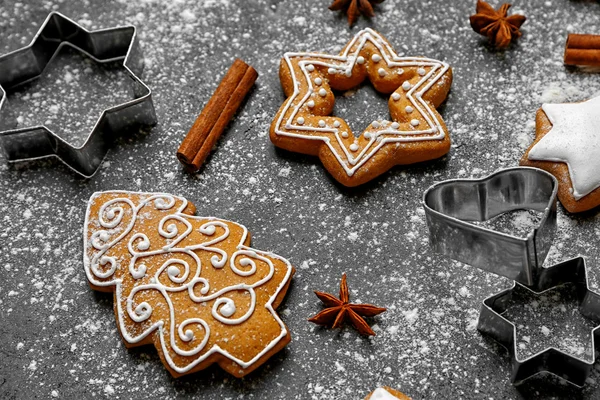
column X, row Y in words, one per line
column 567, row 145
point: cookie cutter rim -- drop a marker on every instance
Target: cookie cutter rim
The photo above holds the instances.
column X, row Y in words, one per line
column 552, row 360
column 515, row 257
column 103, row 46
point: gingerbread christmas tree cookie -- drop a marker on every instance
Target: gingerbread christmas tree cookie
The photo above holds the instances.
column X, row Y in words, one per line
column 189, row 285
column 416, row 86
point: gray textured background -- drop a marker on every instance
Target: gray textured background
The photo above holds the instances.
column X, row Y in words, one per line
column 59, row 338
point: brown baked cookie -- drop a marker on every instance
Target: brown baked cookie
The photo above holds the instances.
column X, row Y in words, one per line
column 567, row 144
column 189, row 285
column 416, row 85
column 386, row 393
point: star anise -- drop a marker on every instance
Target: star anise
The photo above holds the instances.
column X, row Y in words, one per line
column 354, row 8
column 499, row 28
column 338, row 310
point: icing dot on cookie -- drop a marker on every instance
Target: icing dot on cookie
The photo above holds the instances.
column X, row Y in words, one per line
column 395, row 125
column 376, row 58
column 103, row 236
column 144, row 245
column 421, row 71
column 322, row 123
column 396, row 96
column 228, row 309
column 375, row 124
column 406, row 85
column 208, row 230
column 331, row 70
column 400, row 71
column 414, row 122
column 409, row 109
column 348, row 73
column 173, row 271
column 322, row 92
column 300, row 121
column 345, row 134
column 318, row 81
column 381, row 72
column 353, row 147
column 336, row 124
column 310, row 68
column 360, row 60
column 368, row 135
column 310, row 104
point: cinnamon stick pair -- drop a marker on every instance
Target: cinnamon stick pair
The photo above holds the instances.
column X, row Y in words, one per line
column 215, row 116
column 582, row 50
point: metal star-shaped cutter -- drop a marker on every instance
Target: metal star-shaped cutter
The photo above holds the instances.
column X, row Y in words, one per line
column 573, row 369
column 103, row 46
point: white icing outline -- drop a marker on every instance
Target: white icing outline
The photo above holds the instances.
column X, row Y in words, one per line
column 285, row 126
column 143, row 310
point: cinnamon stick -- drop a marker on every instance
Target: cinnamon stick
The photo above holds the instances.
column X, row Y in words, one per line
column 582, row 50
column 215, row 116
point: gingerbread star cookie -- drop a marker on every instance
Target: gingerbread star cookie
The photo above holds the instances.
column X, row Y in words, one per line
column 567, row 144
column 189, row 285
column 415, row 133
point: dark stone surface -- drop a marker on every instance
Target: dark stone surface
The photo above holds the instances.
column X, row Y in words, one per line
column 59, row 338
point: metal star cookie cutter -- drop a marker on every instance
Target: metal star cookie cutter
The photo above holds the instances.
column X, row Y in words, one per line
column 569, row 367
column 103, row 46
column 450, row 205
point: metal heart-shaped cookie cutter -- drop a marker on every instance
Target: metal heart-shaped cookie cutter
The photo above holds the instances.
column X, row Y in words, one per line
column 450, row 205
column 103, row 46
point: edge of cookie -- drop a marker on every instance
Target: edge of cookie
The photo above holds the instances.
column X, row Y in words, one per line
column 398, row 394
